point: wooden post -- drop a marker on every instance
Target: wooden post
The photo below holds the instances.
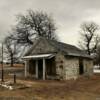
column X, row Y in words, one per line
column 43, row 69
column 14, row 78
column 36, row 67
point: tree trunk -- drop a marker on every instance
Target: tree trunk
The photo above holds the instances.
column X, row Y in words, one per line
column 88, row 48
column 11, row 59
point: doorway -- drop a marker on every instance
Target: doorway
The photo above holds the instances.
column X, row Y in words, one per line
column 40, row 69
column 81, row 67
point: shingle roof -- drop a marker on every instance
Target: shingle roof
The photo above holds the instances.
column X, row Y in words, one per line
column 66, row 49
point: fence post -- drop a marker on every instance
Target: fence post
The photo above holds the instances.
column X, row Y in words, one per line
column 14, row 78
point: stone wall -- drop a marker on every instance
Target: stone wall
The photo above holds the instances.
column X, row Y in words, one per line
column 71, row 68
column 88, row 66
column 68, row 67
column 59, row 59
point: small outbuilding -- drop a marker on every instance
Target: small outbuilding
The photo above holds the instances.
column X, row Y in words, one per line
column 50, row 59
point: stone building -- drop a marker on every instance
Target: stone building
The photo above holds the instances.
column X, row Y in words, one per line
column 49, row 59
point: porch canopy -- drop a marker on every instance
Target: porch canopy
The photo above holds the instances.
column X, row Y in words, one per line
column 36, row 57
column 39, row 56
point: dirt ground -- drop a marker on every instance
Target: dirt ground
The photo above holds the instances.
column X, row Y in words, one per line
column 80, row 89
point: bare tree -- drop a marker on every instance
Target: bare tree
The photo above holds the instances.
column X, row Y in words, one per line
column 34, row 24
column 11, row 50
column 4, row 52
column 89, row 37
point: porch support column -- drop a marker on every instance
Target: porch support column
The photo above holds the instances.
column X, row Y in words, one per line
column 25, row 68
column 36, row 69
column 44, row 69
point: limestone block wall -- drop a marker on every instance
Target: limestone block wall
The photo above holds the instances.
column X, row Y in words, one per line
column 59, row 59
column 88, row 66
column 67, row 68
column 71, row 68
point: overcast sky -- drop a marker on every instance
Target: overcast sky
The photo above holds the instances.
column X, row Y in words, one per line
column 68, row 15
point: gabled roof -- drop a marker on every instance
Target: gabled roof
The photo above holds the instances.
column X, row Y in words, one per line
column 66, row 49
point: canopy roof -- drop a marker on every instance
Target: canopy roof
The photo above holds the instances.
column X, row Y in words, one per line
column 38, row 56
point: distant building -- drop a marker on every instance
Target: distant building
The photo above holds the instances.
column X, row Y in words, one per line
column 49, row 59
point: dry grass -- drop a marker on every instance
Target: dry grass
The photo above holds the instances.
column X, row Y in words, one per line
column 81, row 89
column 15, row 65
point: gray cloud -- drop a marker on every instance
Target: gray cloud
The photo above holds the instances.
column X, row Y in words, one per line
column 68, row 14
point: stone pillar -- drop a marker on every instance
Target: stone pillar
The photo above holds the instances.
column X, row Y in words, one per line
column 36, row 69
column 44, row 69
